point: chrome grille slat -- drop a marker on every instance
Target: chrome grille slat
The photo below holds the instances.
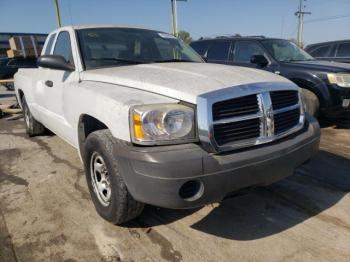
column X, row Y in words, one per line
column 285, row 109
column 237, row 119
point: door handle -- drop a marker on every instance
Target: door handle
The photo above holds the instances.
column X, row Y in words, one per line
column 49, row 83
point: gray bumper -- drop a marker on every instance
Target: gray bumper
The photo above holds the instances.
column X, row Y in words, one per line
column 154, row 175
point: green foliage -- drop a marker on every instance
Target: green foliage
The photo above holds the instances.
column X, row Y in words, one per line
column 185, row 36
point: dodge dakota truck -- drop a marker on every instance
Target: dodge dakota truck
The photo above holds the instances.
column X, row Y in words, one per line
column 154, row 124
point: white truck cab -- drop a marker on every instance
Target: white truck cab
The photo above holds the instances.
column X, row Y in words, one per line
column 155, row 124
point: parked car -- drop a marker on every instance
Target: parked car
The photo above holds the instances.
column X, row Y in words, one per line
column 9, row 66
column 325, row 85
column 337, row 51
column 155, row 124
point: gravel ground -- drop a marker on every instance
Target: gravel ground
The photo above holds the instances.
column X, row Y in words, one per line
column 46, row 213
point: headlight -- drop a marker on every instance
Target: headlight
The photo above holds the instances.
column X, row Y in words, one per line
column 162, row 124
column 342, row 80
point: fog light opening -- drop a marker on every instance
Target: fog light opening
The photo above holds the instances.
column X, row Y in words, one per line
column 191, row 190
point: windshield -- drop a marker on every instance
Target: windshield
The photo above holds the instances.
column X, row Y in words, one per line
column 101, row 47
column 286, row 51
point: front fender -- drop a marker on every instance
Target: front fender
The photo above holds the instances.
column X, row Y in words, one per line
column 108, row 104
column 313, row 83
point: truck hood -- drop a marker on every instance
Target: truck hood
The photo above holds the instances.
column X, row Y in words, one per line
column 183, row 81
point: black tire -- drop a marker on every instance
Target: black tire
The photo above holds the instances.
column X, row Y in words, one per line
column 312, row 102
column 33, row 127
column 121, row 206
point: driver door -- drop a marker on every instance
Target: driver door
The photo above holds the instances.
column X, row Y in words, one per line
column 243, row 52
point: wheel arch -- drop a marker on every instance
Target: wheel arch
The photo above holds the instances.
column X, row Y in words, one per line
column 20, row 95
column 321, row 93
column 86, row 125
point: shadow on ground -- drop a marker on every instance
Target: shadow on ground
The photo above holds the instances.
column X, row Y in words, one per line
column 339, row 123
column 263, row 212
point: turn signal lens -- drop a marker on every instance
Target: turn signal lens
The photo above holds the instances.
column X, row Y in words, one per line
column 138, row 132
column 332, row 79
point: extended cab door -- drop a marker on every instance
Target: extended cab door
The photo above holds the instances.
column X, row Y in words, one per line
column 52, row 86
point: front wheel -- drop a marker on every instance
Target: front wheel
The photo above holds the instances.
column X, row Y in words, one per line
column 108, row 191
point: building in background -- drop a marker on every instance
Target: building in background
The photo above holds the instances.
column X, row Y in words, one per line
column 4, row 41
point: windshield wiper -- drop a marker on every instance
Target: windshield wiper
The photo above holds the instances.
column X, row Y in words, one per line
column 119, row 60
column 172, row 61
column 298, row 60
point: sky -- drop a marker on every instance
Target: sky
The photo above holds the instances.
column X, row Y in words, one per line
column 274, row 18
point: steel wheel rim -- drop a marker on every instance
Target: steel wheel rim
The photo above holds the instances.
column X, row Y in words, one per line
column 100, row 179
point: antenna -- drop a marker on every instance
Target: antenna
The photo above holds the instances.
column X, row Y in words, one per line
column 58, row 14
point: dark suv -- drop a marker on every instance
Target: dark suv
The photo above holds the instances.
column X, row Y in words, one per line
column 326, row 85
column 9, row 66
column 338, row 51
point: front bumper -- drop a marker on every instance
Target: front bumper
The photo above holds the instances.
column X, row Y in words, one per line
column 339, row 106
column 154, row 175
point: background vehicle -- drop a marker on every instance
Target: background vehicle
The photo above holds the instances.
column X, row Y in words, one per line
column 9, row 66
column 337, row 51
column 4, row 41
column 154, row 124
column 326, row 85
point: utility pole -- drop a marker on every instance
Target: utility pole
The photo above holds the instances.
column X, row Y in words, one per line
column 300, row 14
column 174, row 15
column 58, row 14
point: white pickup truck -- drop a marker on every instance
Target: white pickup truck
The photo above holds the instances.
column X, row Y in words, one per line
column 153, row 123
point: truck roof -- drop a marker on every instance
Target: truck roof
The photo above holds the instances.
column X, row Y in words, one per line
column 78, row 27
column 236, row 37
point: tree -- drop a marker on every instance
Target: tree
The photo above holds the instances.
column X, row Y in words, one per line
column 185, row 36
column 295, row 41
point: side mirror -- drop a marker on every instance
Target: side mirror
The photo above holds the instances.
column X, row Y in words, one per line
column 259, row 60
column 55, row 62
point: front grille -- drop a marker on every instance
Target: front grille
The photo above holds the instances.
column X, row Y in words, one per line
column 281, row 99
column 255, row 118
column 235, row 107
column 236, row 131
column 286, row 120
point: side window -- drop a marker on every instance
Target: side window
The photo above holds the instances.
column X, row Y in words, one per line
column 321, row 51
column 63, row 47
column 200, row 47
column 49, row 44
column 245, row 50
column 164, row 47
column 219, row 51
column 344, row 50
